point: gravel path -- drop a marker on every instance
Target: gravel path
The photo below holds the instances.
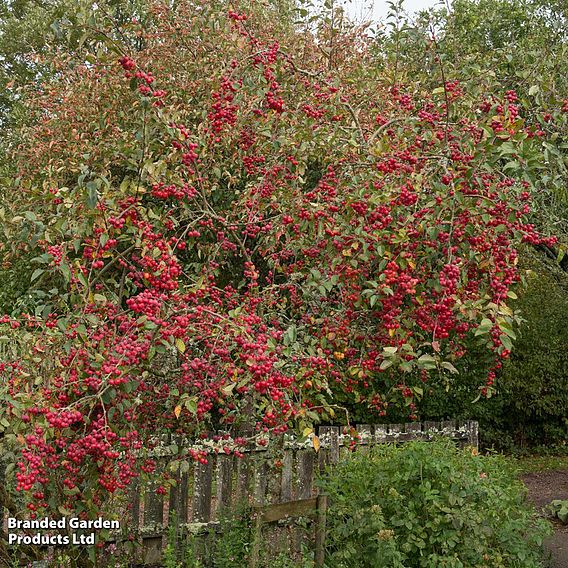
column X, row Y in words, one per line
column 543, row 488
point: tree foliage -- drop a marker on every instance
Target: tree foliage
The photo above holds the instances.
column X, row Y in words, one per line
column 238, row 221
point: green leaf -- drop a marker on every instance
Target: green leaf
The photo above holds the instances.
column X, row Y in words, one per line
column 37, row 273
column 191, row 405
column 131, row 386
column 66, row 272
column 92, row 194
column 506, row 342
column 512, row 165
column 291, row 335
column 447, row 365
column 484, row 327
column 426, row 361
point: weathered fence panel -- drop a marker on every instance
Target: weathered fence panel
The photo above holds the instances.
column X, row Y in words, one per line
column 277, row 479
column 278, row 473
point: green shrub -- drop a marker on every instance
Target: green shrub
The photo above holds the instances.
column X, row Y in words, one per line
column 529, row 407
column 559, row 509
column 429, row 505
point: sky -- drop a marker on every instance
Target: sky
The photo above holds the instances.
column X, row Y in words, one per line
column 377, row 9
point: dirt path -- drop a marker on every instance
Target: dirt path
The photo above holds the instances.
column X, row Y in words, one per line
column 543, row 488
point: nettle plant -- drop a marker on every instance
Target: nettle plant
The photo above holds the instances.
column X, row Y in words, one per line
column 237, row 226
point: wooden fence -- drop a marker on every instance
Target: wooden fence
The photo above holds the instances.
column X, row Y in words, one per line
column 279, row 473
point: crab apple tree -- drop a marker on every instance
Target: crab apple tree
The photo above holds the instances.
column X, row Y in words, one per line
column 234, row 230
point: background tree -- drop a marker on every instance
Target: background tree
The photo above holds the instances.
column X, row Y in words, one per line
column 492, row 47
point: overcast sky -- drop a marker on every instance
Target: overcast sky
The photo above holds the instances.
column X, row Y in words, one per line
column 377, row 9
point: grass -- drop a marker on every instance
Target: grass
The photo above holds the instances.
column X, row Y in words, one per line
column 538, row 464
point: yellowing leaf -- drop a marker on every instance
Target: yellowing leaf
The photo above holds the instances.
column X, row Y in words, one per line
column 177, row 411
column 180, row 345
column 316, row 443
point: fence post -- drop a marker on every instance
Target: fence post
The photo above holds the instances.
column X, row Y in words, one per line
column 329, row 452
column 414, row 431
column 431, row 429
column 305, row 473
column 320, row 530
column 224, row 482
column 257, row 534
column 286, row 484
column 473, row 433
column 202, row 491
column 178, row 500
column 380, row 434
